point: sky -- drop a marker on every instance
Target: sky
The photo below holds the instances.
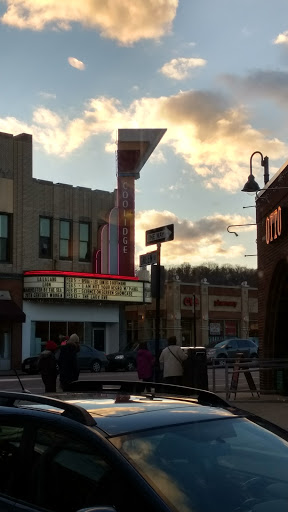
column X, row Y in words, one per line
column 214, row 73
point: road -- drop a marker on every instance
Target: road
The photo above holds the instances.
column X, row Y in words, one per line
column 34, row 383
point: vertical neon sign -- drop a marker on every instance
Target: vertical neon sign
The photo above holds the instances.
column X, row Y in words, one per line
column 127, row 160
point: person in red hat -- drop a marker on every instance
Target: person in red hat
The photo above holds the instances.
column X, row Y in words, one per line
column 47, row 366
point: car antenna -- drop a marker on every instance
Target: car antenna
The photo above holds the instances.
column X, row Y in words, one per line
column 20, row 382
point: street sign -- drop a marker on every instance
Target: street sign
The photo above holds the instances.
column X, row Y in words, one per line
column 148, row 259
column 159, row 235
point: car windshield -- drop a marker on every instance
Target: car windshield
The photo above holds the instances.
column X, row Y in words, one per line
column 212, row 466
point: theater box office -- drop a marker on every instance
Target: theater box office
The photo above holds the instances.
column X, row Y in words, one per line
column 60, row 303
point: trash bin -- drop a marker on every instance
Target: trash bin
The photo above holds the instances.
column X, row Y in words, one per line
column 195, row 373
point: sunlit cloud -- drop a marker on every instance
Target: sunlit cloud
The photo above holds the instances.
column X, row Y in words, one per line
column 281, row 38
column 122, row 20
column 212, row 137
column 194, row 241
column 75, row 63
column 180, row 68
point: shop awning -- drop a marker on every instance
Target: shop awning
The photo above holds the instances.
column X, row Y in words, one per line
column 10, row 311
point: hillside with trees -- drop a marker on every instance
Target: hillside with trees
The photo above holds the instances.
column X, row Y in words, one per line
column 215, row 274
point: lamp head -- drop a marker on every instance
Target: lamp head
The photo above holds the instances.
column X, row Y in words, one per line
column 251, row 185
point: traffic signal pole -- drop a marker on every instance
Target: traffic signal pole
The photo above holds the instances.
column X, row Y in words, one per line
column 157, row 315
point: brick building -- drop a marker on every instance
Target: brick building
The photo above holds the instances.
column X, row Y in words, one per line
column 62, row 251
column 221, row 312
column 272, row 246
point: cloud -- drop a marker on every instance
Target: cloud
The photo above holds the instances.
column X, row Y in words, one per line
column 268, row 84
column 194, row 242
column 281, row 38
column 122, row 20
column 213, row 138
column 179, row 68
column 47, row 95
column 75, row 63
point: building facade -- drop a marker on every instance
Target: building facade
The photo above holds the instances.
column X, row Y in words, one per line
column 197, row 314
column 62, row 250
column 272, row 247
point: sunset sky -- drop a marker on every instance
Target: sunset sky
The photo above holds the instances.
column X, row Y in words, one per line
column 213, row 72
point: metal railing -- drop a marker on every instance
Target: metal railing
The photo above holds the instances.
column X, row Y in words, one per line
column 247, row 368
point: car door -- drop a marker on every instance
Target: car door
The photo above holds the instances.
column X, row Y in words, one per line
column 58, row 464
column 232, row 348
column 243, row 347
column 84, row 357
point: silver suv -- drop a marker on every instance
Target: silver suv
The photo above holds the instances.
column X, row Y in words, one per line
column 229, row 349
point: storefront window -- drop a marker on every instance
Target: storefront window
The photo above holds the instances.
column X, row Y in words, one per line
column 41, row 332
column 216, row 331
column 231, row 328
column 187, row 332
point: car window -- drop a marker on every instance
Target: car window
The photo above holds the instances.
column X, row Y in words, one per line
column 69, row 475
column 232, row 344
column 243, row 344
column 10, row 457
column 84, row 349
column 224, row 457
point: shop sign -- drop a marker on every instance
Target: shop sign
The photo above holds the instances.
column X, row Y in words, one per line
column 273, row 225
column 229, row 303
column 215, row 328
column 187, row 302
column 84, row 288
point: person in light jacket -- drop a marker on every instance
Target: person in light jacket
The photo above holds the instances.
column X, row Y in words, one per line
column 171, row 359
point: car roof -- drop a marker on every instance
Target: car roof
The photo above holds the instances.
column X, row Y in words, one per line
column 117, row 411
column 139, row 413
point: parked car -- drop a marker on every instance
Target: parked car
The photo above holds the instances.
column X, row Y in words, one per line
column 125, row 360
column 229, row 348
column 120, row 450
column 89, row 358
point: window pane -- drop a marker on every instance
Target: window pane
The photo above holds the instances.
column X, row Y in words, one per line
column 84, row 232
column 45, row 227
column 3, row 226
column 64, row 248
column 3, row 250
column 45, row 247
column 10, row 438
column 83, row 251
column 65, row 229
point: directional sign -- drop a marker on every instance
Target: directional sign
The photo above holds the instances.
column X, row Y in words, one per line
column 159, row 235
column 148, row 259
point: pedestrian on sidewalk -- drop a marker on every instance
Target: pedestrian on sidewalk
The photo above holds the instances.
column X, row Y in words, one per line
column 171, row 359
column 68, row 362
column 47, row 366
column 145, row 363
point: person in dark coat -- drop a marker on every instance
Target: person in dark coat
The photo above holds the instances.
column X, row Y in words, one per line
column 68, row 362
column 145, row 363
column 47, row 366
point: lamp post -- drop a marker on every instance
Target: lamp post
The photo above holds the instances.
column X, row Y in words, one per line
column 251, row 185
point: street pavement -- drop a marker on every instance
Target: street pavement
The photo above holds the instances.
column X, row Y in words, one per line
column 271, row 407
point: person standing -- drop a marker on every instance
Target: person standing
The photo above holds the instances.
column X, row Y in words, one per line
column 145, row 363
column 47, row 366
column 68, row 362
column 171, row 359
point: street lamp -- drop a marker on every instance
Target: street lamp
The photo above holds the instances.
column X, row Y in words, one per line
column 251, row 185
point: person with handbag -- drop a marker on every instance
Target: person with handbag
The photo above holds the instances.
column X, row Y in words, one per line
column 171, row 361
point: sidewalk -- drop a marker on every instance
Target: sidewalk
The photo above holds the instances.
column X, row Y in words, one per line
column 273, row 408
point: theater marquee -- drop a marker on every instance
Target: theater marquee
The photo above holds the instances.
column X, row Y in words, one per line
column 85, row 288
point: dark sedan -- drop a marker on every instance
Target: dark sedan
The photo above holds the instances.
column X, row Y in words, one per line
column 126, row 360
column 88, row 359
column 120, row 449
